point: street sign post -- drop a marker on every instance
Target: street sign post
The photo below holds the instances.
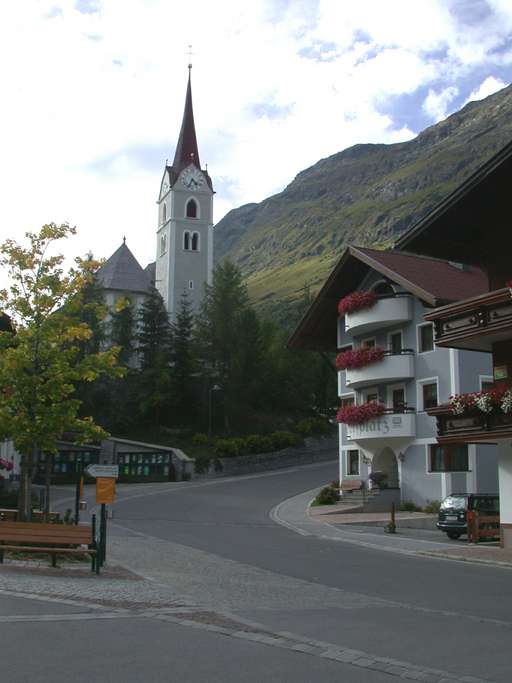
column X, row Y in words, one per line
column 103, row 471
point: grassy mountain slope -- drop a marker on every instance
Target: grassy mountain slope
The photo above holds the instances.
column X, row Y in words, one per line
column 368, row 194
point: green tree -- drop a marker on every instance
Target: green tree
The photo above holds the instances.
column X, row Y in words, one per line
column 183, row 359
column 122, row 330
column 153, row 347
column 221, row 338
column 42, row 362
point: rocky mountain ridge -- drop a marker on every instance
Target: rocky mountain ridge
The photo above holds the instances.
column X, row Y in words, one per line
column 367, row 194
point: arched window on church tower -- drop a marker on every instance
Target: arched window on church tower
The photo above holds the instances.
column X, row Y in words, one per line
column 195, row 241
column 164, row 213
column 163, row 244
column 191, row 208
column 186, row 240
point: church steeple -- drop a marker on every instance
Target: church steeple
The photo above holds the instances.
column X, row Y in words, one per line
column 186, row 150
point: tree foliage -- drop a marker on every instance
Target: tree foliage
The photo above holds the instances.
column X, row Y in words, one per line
column 41, row 363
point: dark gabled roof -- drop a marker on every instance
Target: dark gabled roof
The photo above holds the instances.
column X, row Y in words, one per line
column 150, row 271
column 187, row 151
column 433, row 281
column 458, row 228
column 123, row 272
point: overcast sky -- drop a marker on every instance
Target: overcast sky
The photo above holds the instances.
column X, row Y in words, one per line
column 92, row 96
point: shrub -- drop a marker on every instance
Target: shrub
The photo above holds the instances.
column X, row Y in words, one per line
column 226, row 448
column 240, row 445
column 409, row 506
column 327, row 496
column 284, row 440
column 313, row 425
column 202, row 465
column 200, row 439
column 432, row 506
column 356, row 302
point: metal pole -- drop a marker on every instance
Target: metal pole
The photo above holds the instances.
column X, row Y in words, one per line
column 210, row 390
column 77, row 491
column 103, row 533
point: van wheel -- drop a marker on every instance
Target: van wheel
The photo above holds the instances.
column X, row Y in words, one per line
column 454, row 535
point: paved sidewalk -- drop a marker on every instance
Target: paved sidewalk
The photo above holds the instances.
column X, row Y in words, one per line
column 294, row 514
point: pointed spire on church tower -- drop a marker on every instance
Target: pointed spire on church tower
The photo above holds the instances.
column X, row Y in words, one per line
column 186, row 150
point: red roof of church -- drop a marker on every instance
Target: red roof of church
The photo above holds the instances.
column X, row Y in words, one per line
column 186, row 150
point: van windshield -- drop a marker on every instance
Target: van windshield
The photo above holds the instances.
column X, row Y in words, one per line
column 454, row 502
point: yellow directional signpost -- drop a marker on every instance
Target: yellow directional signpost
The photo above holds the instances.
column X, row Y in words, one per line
column 105, row 476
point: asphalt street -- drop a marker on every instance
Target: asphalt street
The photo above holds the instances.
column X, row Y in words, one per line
column 329, row 610
column 446, row 614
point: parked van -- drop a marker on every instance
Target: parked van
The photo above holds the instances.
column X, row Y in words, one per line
column 453, row 511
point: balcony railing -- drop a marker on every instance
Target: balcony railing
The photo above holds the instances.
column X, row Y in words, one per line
column 387, row 312
column 396, row 427
column 394, row 367
column 475, row 323
column 472, row 428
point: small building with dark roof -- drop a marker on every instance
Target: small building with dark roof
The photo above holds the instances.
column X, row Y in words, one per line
column 390, row 372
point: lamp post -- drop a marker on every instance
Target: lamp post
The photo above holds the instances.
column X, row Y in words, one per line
column 213, row 388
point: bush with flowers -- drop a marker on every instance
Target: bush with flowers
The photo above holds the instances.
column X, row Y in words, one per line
column 356, row 415
column 498, row 399
column 358, row 358
column 356, row 302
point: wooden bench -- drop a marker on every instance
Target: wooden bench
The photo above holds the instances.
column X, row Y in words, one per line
column 350, row 485
column 52, row 539
column 482, row 526
column 11, row 515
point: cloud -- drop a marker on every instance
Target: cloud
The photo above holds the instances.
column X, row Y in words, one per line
column 486, row 88
column 94, row 92
column 436, row 104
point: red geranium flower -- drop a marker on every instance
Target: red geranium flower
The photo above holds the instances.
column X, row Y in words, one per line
column 356, row 302
column 356, row 415
column 358, row 358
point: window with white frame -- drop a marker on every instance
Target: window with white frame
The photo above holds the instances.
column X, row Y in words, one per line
column 425, row 338
column 428, row 393
column 195, row 241
column 186, row 240
column 352, row 462
column 395, row 342
column 486, row 382
column 347, row 400
column 164, row 212
column 448, row 458
column 191, row 284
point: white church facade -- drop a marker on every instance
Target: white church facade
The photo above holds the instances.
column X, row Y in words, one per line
column 184, row 236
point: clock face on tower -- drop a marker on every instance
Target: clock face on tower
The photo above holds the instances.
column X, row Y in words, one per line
column 192, row 178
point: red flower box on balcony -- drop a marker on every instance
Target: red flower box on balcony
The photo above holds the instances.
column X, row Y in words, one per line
column 356, row 302
column 356, row 415
column 358, row 358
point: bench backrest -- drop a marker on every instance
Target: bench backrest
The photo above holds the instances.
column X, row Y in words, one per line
column 28, row 532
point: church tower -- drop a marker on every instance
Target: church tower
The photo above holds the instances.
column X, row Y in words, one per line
column 184, row 256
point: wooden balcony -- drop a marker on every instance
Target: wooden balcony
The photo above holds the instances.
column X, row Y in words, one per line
column 477, row 428
column 474, row 324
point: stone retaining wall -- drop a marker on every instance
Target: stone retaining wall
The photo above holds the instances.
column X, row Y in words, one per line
column 315, row 450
